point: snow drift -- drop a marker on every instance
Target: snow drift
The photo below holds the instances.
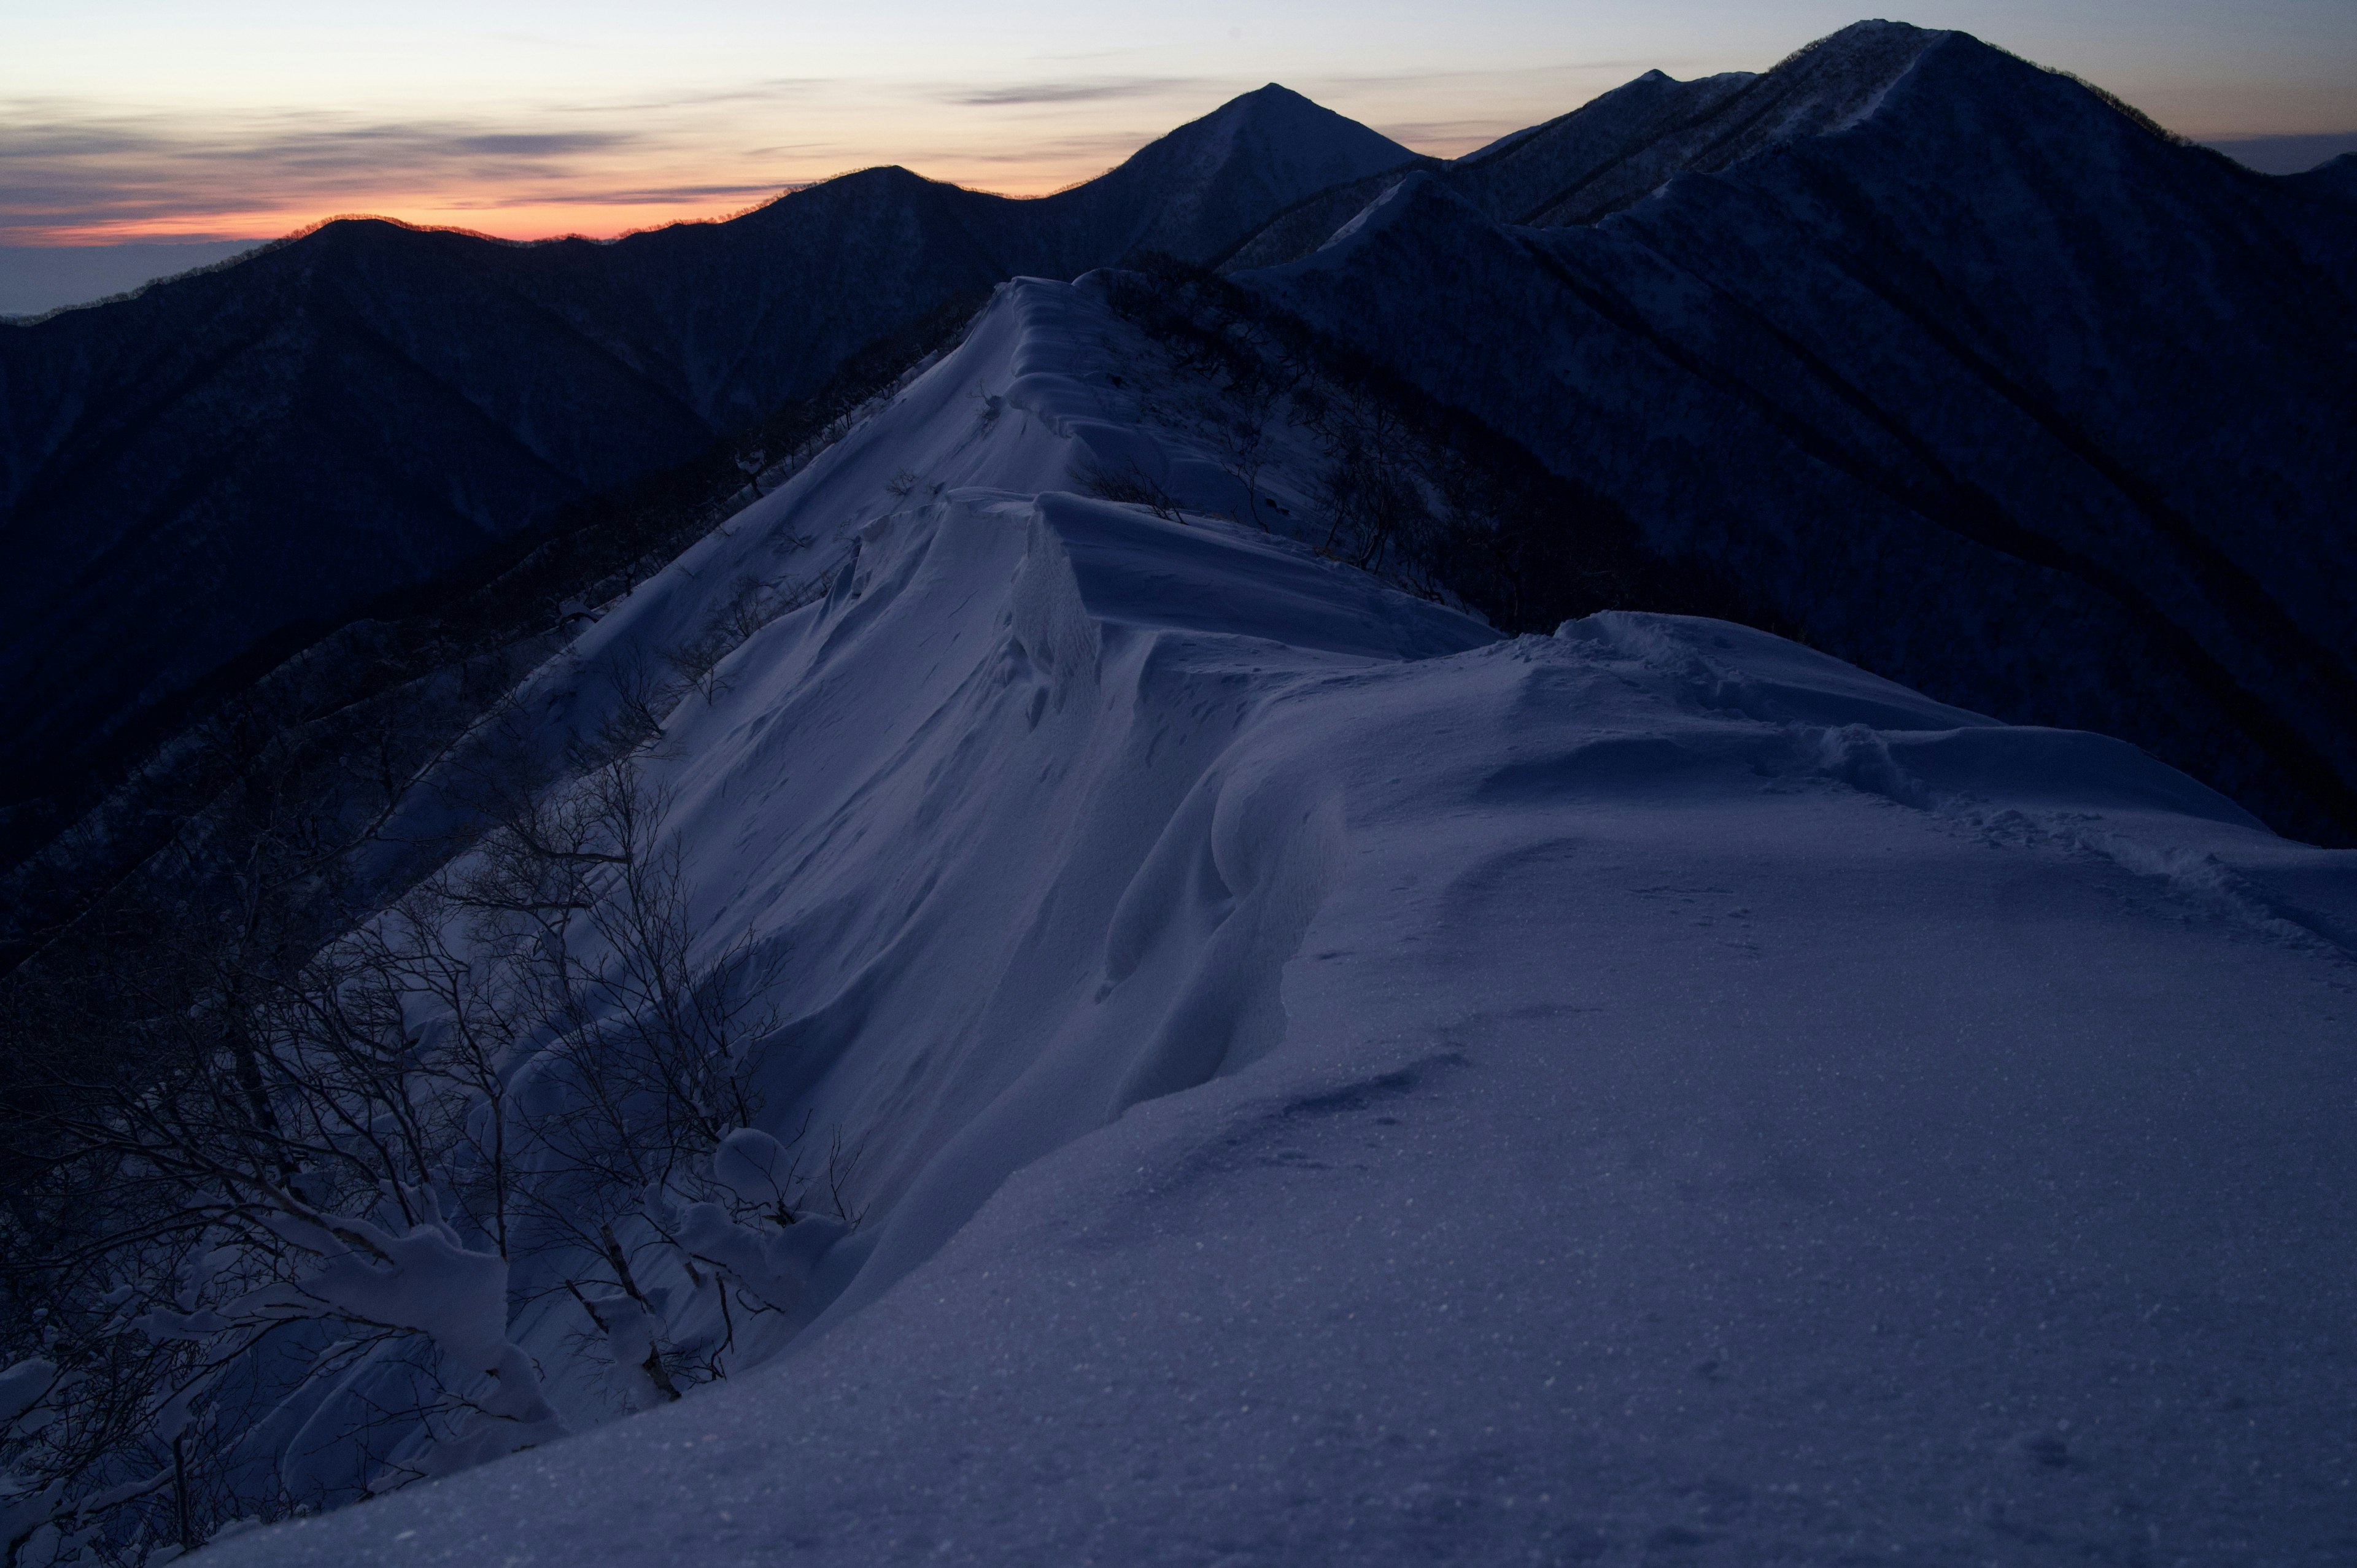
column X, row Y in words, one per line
column 1337, row 1085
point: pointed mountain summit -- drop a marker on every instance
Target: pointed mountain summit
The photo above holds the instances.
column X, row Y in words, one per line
column 248, row 455
column 1204, row 186
column 1195, row 192
column 2335, row 179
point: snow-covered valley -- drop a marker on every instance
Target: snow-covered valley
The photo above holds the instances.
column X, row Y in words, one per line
column 1331, row 1083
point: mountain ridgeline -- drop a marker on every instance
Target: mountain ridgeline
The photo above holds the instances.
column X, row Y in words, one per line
column 261, row 448
column 1963, row 369
column 1969, row 373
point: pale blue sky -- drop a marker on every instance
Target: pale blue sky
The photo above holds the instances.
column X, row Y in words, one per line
column 145, row 118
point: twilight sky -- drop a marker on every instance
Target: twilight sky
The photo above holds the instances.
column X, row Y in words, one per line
column 124, row 120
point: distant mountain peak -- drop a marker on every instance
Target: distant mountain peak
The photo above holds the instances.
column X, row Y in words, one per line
column 1264, row 150
column 2335, row 180
column 1873, row 33
column 1311, row 129
column 1273, row 92
column 1880, row 26
column 1621, row 146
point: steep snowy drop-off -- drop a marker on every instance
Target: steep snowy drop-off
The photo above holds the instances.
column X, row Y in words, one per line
column 1342, row 1086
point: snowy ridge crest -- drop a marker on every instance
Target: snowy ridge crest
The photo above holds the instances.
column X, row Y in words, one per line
column 1225, row 965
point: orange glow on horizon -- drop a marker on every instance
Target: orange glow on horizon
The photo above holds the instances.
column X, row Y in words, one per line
column 600, row 220
column 499, row 216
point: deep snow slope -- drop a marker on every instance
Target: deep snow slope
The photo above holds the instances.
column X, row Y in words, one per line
column 264, row 447
column 1973, row 377
column 1340, row 1087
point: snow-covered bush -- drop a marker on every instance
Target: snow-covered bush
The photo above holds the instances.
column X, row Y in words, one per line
column 288, row 1260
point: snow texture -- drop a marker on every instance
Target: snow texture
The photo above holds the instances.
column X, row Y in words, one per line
column 1340, row 1086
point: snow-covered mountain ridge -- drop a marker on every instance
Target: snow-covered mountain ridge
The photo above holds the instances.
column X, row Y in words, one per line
column 1337, row 1085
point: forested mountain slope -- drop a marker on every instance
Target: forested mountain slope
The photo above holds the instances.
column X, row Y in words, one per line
column 264, row 446
column 1973, row 376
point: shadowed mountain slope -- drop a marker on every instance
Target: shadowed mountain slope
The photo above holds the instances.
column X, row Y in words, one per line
column 1713, row 124
column 1976, row 378
column 1519, row 178
column 244, row 451
column 1617, row 148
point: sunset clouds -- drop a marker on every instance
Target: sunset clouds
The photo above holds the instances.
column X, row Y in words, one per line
column 152, row 119
column 81, row 171
column 81, row 174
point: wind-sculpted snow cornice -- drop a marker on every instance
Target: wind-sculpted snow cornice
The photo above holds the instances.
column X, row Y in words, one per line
column 1379, row 1053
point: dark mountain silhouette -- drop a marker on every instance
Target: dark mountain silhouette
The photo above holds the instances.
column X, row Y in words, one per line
column 1601, row 157
column 264, row 447
column 1618, row 147
column 1967, row 371
column 2335, row 180
column 1520, row 178
column 1964, row 369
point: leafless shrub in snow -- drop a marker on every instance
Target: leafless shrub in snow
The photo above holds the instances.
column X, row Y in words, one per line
column 754, row 604
column 696, row 662
column 634, row 723
column 338, row 1180
column 752, row 464
column 1128, row 484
